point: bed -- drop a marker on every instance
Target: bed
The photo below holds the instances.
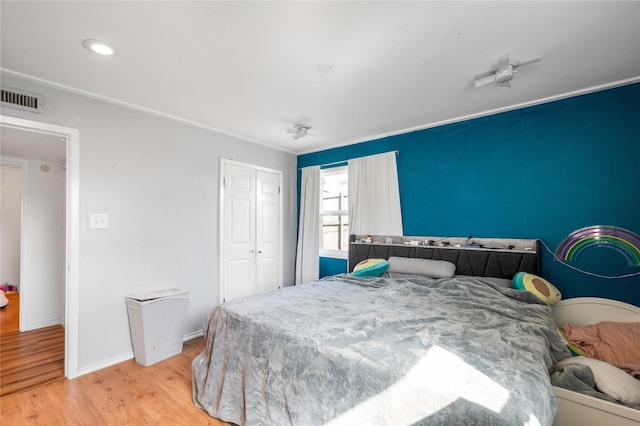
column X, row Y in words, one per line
column 576, row 408
column 466, row 349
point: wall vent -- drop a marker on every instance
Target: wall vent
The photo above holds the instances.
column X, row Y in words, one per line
column 19, row 99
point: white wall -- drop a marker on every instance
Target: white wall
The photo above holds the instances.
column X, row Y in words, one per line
column 10, row 211
column 158, row 181
column 46, row 248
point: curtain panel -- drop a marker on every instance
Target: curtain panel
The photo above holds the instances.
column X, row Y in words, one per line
column 308, row 250
column 374, row 196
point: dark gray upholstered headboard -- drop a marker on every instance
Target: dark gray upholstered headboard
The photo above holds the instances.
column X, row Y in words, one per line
column 502, row 258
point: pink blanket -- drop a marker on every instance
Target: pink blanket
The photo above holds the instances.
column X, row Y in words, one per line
column 617, row 343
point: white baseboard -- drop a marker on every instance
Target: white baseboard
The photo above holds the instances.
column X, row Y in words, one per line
column 108, row 363
column 42, row 325
column 125, row 357
column 193, row 335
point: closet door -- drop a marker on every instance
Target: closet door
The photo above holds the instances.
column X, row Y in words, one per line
column 239, row 235
column 268, row 231
column 251, row 244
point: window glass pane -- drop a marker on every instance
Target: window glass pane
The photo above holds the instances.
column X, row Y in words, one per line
column 331, row 232
column 335, row 232
column 331, row 203
column 344, row 243
column 335, row 190
column 335, row 199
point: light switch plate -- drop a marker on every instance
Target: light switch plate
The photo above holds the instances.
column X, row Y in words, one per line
column 98, row 220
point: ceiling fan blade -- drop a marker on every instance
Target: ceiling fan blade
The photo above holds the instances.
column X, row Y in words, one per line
column 482, row 79
column 503, row 63
column 505, row 84
column 527, row 65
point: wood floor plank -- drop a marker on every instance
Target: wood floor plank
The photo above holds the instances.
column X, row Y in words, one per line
column 10, row 314
column 124, row 394
column 31, row 359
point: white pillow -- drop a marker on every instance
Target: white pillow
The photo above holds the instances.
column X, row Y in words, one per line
column 426, row 267
column 610, row 379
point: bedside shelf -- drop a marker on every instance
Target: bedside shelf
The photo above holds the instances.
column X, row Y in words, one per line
column 489, row 257
column 509, row 245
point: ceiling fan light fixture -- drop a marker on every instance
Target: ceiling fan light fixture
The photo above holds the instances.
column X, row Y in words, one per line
column 505, row 75
column 300, row 131
column 504, row 72
column 100, row 47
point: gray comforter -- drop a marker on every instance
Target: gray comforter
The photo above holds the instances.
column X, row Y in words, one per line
column 380, row 351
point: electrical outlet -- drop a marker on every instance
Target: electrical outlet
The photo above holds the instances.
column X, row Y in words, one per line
column 98, row 220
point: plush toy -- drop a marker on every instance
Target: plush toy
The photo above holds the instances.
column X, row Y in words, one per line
column 7, row 288
column 538, row 286
column 370, row 268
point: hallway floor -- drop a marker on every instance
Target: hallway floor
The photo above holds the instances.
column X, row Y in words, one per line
column 10, row 314
column 30, row 358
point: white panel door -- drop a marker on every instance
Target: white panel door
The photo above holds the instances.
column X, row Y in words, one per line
column 251, row 258
column 268, row 231
column 238, row 268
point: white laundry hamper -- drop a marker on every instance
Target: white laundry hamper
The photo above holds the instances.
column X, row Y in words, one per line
column 157, row 321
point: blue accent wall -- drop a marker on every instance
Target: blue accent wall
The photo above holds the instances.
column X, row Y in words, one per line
column 331, row 266
column 537, row 172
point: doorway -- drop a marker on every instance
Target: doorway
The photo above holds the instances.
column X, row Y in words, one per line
column 70, row 267
column 12, row 211
column 32, row 250
column 33, row 228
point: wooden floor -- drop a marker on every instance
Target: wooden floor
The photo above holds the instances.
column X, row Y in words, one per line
column 30, row 359
column 10, row 314
column 124, row 394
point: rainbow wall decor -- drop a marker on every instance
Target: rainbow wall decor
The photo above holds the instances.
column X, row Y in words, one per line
column 622, row 240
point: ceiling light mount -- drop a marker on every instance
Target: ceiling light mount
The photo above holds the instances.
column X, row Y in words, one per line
column 300, row 131
column 504, row 72
column 100, row 47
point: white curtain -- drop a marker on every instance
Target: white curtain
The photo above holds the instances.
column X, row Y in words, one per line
column 308, row 254
column 374, row 196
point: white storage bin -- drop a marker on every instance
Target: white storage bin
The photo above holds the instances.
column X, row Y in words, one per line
column 157, row 321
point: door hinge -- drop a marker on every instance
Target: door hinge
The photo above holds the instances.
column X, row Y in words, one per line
column 224, row 181
column 278, row 190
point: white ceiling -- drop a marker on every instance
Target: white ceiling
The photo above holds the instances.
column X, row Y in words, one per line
column 255, row 69
column 31, row 145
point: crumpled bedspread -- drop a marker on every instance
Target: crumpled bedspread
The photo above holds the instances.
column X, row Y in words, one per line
column 617, row 343
column 579, row 378
column 361, row 350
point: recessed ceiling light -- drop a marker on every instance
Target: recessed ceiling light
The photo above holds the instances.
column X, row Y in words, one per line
column 100, row 47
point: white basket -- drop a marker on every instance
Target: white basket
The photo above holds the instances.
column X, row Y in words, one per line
column 157, row 321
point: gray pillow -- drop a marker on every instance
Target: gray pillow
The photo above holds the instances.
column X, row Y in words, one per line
column 501, row 282
column 427, row 267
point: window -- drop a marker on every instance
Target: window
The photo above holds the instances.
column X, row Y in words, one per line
column 334, row 212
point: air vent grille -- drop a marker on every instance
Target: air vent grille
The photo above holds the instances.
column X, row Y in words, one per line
column 21, row 100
